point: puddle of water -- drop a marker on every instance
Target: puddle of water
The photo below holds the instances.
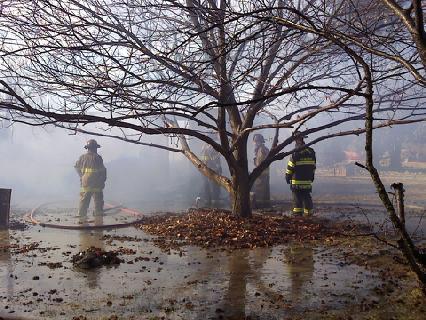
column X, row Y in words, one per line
column 266, row 282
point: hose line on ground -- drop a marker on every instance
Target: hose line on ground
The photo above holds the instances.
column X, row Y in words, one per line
column 30, row 218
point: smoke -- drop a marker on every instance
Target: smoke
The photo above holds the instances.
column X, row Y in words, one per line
column 38, row 165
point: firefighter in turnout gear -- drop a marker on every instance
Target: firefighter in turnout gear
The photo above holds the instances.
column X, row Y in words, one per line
column 92, row 172
column 211, row 158
column 300, row 175
column 261, row 185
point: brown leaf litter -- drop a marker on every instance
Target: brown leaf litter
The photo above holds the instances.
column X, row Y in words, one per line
column 219, row 228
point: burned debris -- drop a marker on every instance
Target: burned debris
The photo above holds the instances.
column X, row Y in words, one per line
column 94, row 258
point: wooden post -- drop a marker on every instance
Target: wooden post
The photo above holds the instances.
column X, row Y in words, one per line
column 4, row 208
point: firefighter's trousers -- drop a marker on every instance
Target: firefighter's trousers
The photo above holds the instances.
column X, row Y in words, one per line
column 302, row 202
column 262, row 191
column 98, row 198
column 211, row 191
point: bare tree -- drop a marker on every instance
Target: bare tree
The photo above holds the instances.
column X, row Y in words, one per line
column 412, row 18
column 410, row 55
column 133, row 69
column 361, row 33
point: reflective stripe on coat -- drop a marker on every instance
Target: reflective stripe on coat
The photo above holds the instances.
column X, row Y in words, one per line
column 300, row 170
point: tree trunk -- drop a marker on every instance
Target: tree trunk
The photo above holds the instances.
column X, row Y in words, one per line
column 241, row 195
column 405, row 242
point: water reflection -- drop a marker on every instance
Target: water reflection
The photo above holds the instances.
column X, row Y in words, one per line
column 300, row 264
column 6, row 266
column 91, row 238
column 245, row 268
column 235, row 298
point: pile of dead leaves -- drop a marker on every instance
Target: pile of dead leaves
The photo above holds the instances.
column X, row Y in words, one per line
column 219, row 228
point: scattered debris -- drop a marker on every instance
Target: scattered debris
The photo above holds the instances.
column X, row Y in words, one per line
column 120, row 238
column 51, row 265
column 27, row 247
column 94, row 258
column 17, row 225
column 17, row 249
column 125, row 251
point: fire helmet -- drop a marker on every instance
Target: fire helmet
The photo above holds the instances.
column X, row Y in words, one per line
column 91, row 144
column 297, row 135
column 258, row 138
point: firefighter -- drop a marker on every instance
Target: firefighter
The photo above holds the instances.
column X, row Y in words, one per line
column 92, row 172
column 261, row 185
column 211, row 159
column 300, row 174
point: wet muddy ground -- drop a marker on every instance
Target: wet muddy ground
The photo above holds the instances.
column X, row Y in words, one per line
column 357, row 277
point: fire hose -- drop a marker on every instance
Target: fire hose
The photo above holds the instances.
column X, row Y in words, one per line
column 30, row 218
